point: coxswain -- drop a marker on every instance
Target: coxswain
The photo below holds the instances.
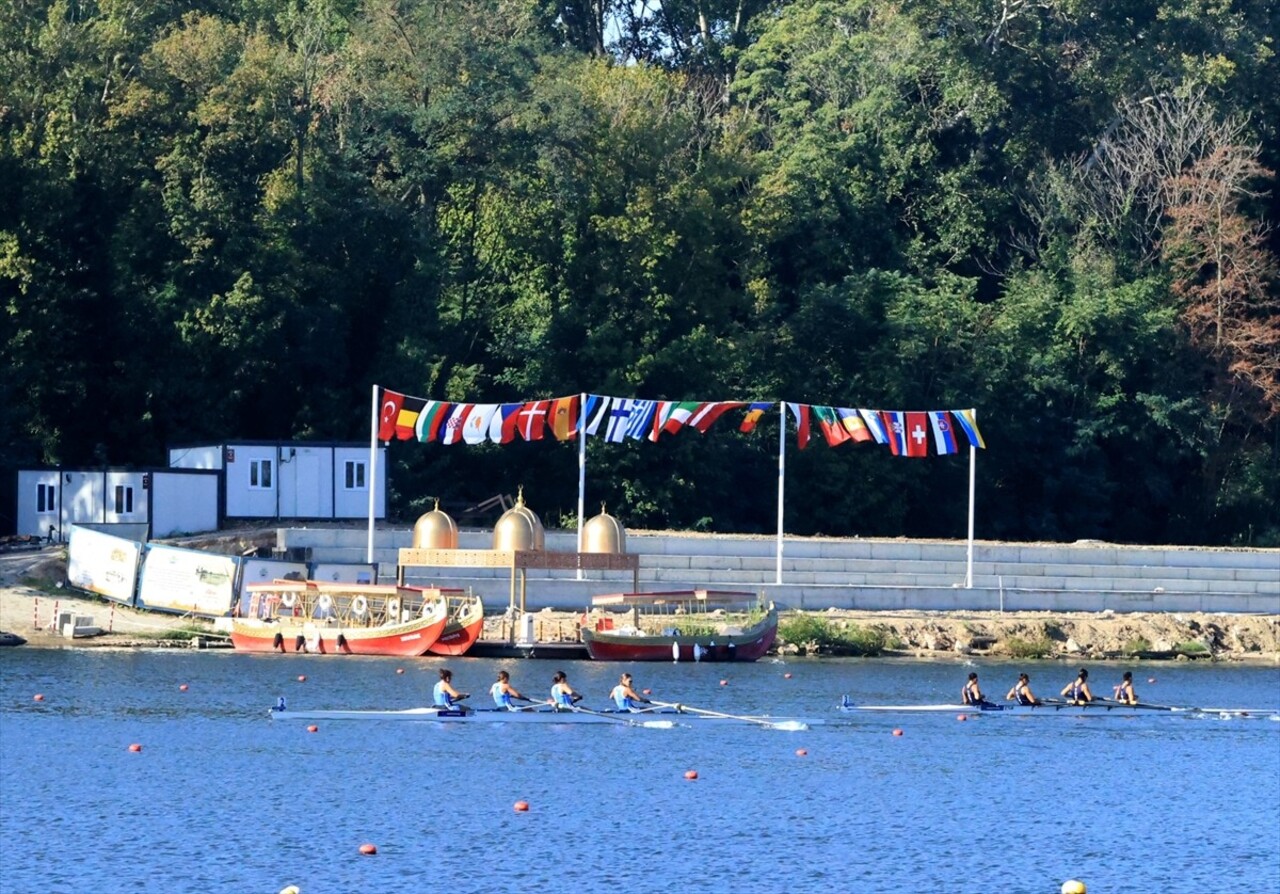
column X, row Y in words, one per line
column 972, row 693
column 626, row 698
column 1125, row 693
column 1021, row 691
column 444, row 695
column 563, row 695
column 1078, row 689
column 503, row 692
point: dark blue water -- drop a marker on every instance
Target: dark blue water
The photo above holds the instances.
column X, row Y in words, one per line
column 222, row 800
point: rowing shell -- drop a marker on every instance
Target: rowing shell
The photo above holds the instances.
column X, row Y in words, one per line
column 1052, row 709
column 483, row 715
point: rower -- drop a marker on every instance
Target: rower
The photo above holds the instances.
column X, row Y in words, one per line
column 972, row 693
column 444, row 695
column 563, row 696
column 1125, row 693
column 503, row 692
column 1078, row 689
column 1022, row 691
column 625, row 697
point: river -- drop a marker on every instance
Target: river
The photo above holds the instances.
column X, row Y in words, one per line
column 221, row 799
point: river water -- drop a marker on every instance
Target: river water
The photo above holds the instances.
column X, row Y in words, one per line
column 221, row 799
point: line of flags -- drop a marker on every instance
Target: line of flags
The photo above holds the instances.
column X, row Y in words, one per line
column 619, row 419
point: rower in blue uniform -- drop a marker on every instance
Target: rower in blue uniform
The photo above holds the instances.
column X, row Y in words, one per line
column 444, row 695
column 563, row 696
column 625, row 697
column 972, row 693
column 1124, row 690
column 503, row 692
column 1078, row 689
column 1022, row 691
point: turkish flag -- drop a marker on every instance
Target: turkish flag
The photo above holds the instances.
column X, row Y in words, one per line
column 391, row 404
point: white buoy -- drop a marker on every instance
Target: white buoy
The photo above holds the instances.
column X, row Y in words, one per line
column 697, row 652
column 675, row 652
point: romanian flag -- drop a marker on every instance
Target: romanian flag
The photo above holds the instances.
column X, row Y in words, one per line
column 854, row 425
column 752, row 417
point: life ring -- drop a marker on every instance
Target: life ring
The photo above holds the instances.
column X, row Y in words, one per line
column 288, row 600
column 359, row 606
column 393, row 609
column 324, row 604
column 427, row 607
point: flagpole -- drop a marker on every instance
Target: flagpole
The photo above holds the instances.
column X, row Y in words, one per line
column 782, row 479
column 373, row 475
column 582, row 472
column 968, row 570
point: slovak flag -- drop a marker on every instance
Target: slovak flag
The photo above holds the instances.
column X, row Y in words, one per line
column 944, row 438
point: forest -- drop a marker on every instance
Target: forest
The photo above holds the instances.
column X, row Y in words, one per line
column 229, row 219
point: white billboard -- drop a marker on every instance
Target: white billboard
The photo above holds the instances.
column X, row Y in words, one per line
column 187, row 581
column 103, row 564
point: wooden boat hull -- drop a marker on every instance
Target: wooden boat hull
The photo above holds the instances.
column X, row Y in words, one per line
column 406, row 640
column 463, row 628
column 750, row 645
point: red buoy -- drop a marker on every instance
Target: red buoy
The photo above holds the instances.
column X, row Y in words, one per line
column 313, row 728
column 897, row 732
column 724, row 682
column 135, row 747
column 522, row 806
column 690, row 774
column 646, row 692
column 368, row 849
column 962, row 717
column 786, row 676
column 302, row 678
column 38, row 697
column 800, row 752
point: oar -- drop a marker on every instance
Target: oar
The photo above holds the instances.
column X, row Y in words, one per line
column 1115, row 703
column 650, row 724
column 791, row 725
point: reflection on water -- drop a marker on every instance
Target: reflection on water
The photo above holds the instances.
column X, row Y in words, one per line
column 221, row 799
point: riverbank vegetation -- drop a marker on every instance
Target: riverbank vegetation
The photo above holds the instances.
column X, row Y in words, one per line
column 225, row 221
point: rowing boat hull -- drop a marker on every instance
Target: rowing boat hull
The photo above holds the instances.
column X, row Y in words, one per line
column 1091, row 710
column 750, row 645
column 407, row 640
column 484, row 715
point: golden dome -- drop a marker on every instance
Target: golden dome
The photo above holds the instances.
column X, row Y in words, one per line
column 604, row 534
column 519, row 528
column 435, row 530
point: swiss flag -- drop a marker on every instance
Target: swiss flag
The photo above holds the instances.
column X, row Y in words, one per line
column 917, row 434
column 391, row 403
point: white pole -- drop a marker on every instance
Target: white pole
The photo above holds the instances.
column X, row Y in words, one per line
column 582, row 471
column 782, row 479
column 373, row 473
column 968, row 569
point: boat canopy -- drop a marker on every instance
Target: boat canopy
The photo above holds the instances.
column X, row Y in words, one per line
column 676, row 597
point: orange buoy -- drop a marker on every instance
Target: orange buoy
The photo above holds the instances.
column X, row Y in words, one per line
column 38, row 697
column 724, row 682
column 522, row 807
column 801, row 752
column 690, row 774
column 135, row 747
column 897, row 732
column 646, row 692
column 399, row 670
column 786, row 676
column 183, row 688
column 962, row 717
column 313, row 728
column 368, row 849
column 302, row 678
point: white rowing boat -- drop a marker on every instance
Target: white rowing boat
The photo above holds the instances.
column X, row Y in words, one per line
column 1097, row 708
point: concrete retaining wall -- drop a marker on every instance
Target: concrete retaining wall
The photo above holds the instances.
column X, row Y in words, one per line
column 863, row 574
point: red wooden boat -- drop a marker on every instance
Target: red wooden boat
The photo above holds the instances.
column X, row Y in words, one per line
column 679, row 626
column 340, row 619
column 465, row 624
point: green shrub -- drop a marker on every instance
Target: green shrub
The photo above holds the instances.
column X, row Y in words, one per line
column 824, row 635
column 1137, row 645
column 1017, row 647
column 1191, row 647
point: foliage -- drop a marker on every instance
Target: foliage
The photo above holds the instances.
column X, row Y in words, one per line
column 1018, row 647
column 815, row 632
column 225, row 221
column 1136, row 646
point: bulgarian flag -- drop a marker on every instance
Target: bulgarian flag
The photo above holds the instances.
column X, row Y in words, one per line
column 430, row 419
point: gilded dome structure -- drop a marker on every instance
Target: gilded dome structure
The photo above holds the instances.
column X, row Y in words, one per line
column 519, row 528
column 604, row 534
column 435, row 530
